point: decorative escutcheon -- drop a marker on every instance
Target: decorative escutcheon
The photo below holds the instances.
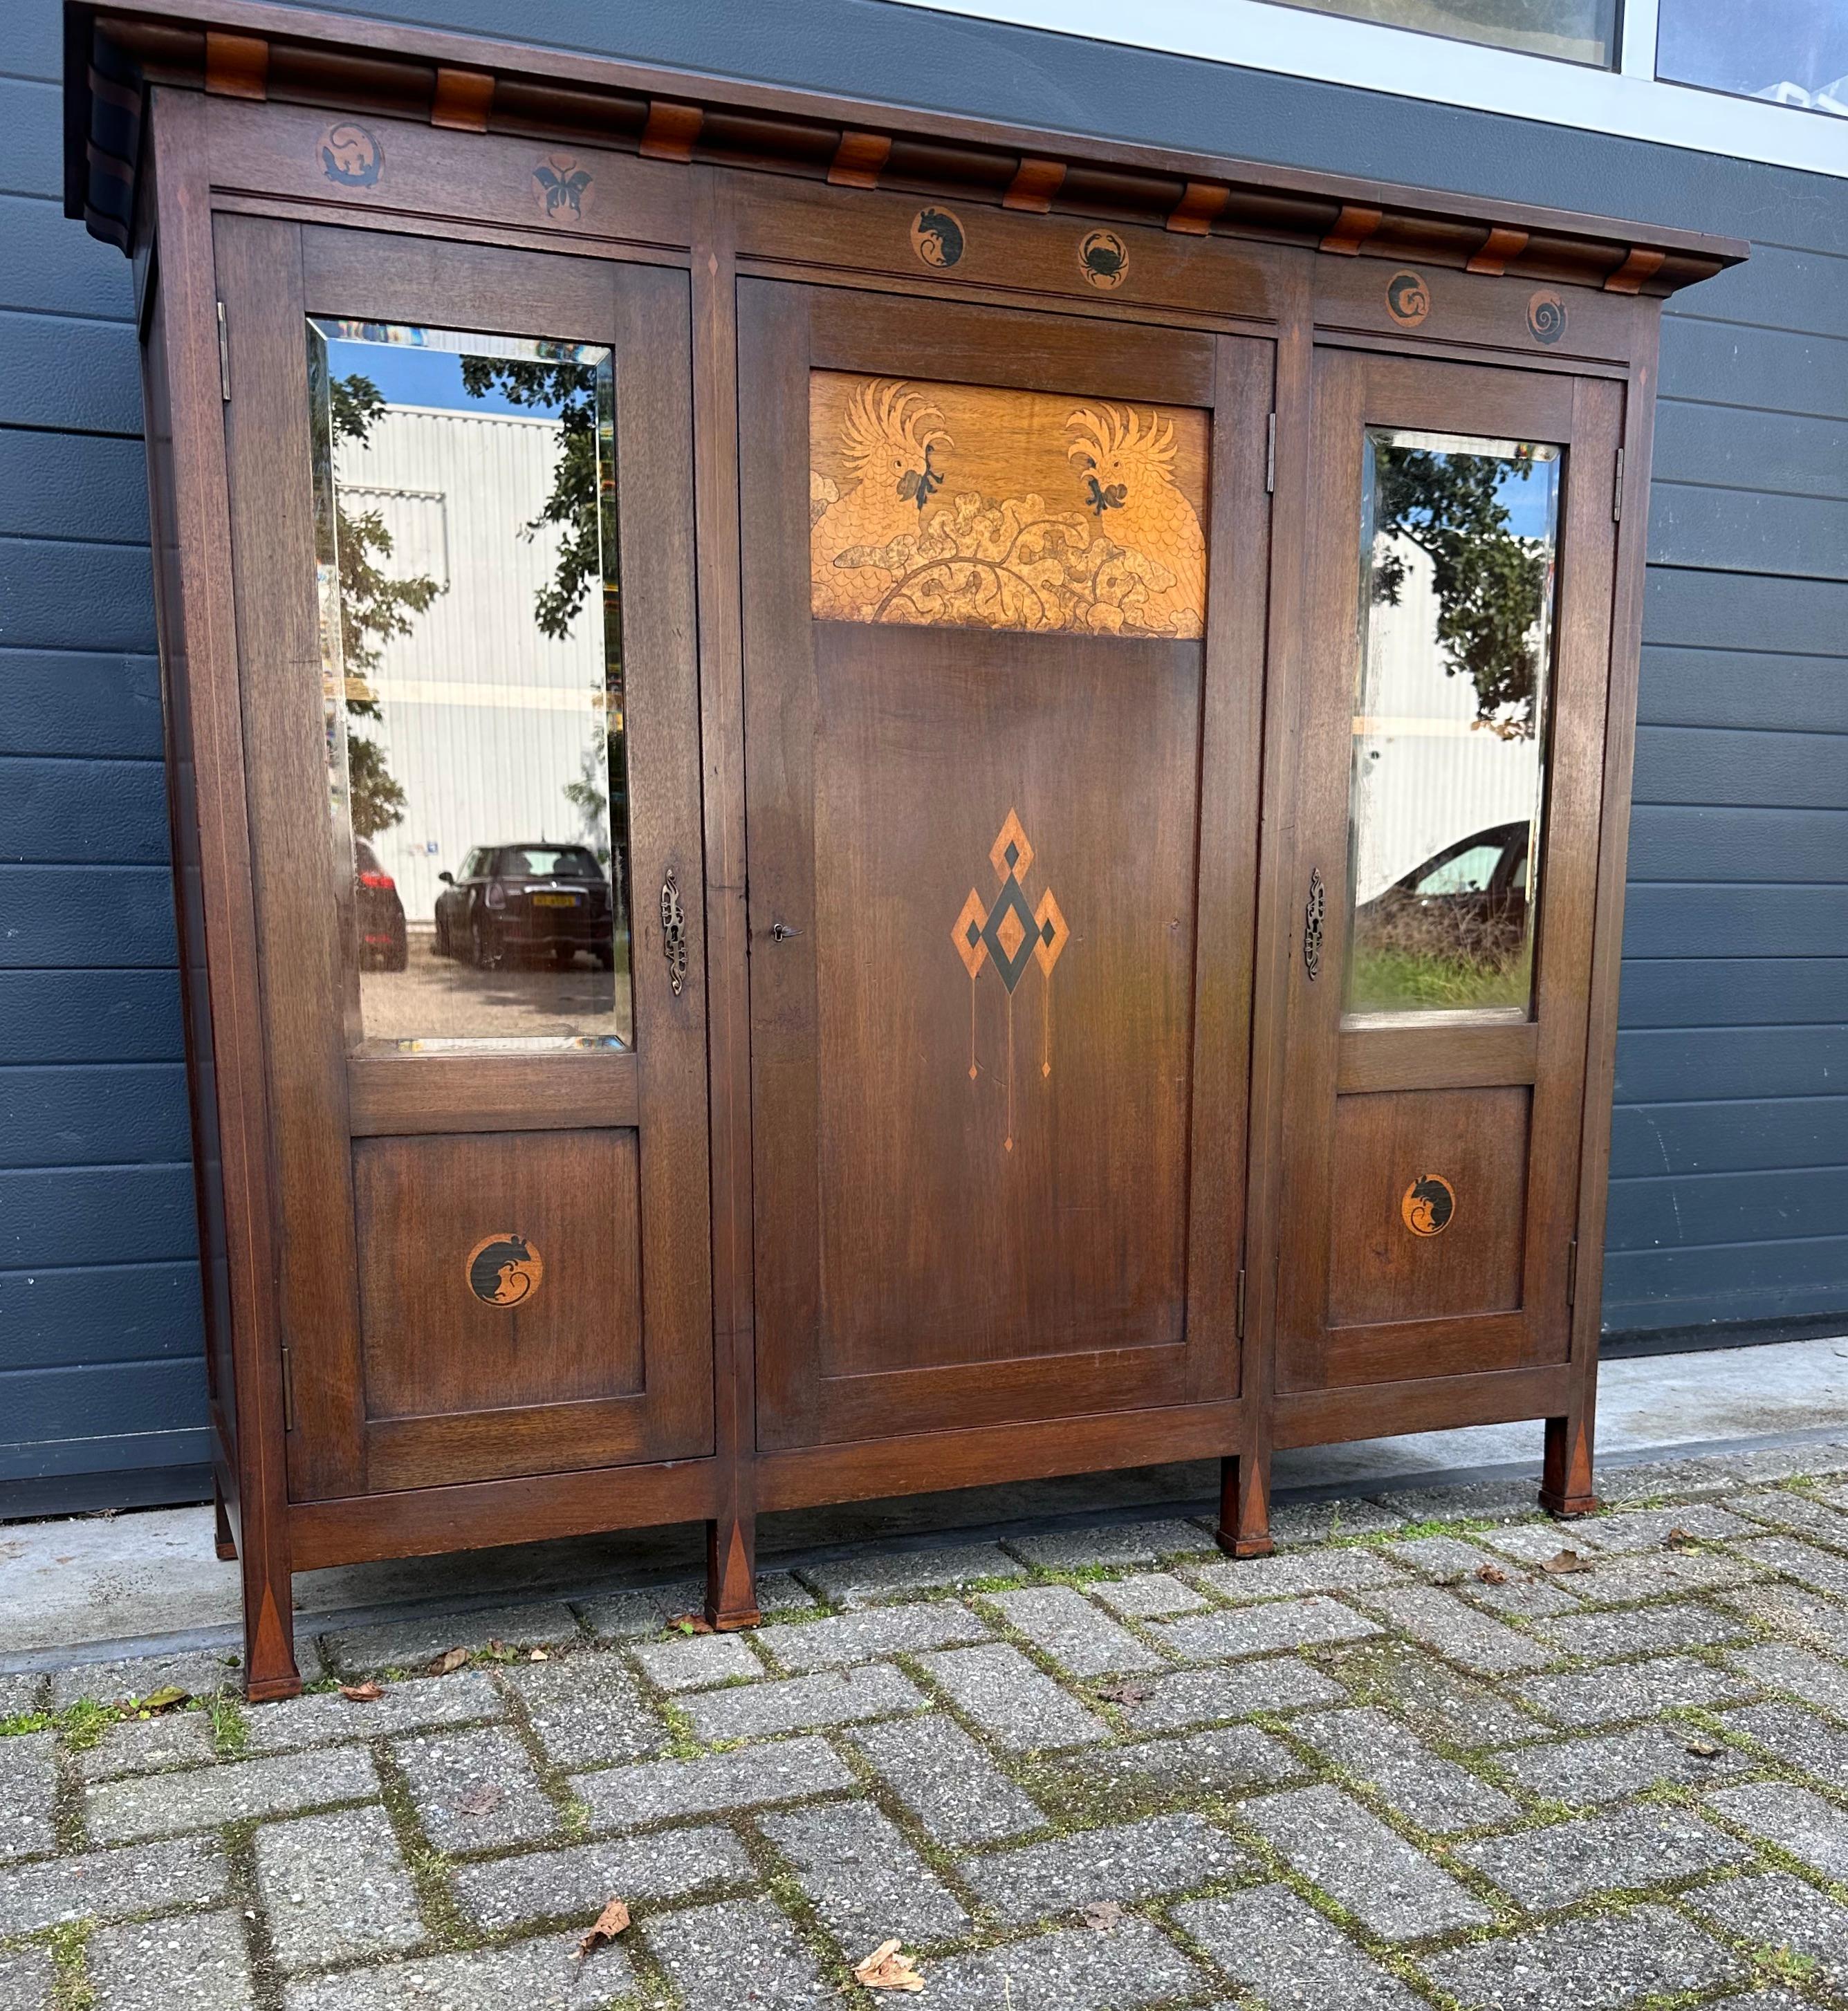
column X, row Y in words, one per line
column 1427, row 1206
column 1314, row 908
column 673, row 932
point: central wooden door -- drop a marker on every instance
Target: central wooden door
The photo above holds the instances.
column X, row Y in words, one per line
column 462, row 520
column 1004, row 608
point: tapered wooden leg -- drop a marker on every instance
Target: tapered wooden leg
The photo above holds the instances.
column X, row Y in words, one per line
column 1565, row 1475
column 269, row 1670
column 730, row 1573
column 1245, row 1506
column 223, row 1541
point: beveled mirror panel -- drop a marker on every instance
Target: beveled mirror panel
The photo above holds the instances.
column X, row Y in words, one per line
column 471, row 643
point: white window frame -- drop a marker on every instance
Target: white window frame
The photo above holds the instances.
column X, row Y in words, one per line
column 1293, row 41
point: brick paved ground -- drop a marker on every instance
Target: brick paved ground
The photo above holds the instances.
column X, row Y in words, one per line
column 1400, row 1763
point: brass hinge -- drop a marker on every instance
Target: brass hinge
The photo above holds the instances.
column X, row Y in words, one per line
column 224, row 357
column 288, row 1393
column 1571, row 1274
column 1241, row 1302
column 1270, row 456
column 1617, row 492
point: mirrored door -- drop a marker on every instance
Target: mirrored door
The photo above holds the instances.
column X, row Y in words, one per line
column 1460, row 561
column 461, row 531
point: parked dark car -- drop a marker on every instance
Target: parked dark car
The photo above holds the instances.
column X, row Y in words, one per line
column 1470, row 900
column 381, row 913
column 526, row 900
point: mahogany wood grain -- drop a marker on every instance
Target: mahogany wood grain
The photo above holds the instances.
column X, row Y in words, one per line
column 1475, row 1053
column 387, row 1098
column 198, row 638
column 425, row 1521
column 1436, row 1403
column 1323, row 1257
column 977, row 1456
column 433, row 1347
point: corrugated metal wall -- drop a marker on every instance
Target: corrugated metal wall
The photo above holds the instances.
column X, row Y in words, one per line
column 1731, row 1134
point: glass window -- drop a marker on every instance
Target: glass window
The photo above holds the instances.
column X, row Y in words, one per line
column 1791, row 52
column 1577, row 30
column 1459, row 539
column 470, row 646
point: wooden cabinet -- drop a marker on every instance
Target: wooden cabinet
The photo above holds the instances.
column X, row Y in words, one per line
column 858, row 809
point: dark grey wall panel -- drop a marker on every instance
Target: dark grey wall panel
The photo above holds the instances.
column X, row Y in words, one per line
column 1766, row 1134
column 89, row 1015
column 73, row 701
column 1715, row 361
column 1694, row 842
column 78, row 917
column 1723, row 1282
column 1735, row 990
column 1674, row 1064
column 92, row 1115
column 1750, row 921
column 140, row 1215
column 58, row 485
column 31, row 135
column 1718, row 686
column 1794, row 769
column 55, row 595
column 132, row 1312
column 1733, row 1208
column 1733, row 531
column 68, row 376
column 83, row 812
column 45, row 271
column 1717, row 610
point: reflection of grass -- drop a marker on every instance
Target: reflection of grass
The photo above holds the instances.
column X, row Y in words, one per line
column 1385, row 979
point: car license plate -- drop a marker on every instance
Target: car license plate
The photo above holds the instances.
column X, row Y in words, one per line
column 554, row 900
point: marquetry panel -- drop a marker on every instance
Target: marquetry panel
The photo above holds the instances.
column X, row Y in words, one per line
column 1429, row 1190
column 966, row 505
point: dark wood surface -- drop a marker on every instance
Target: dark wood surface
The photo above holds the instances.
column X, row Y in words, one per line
column 1375, row 1105
column 786, row 1261
column 975, row 1203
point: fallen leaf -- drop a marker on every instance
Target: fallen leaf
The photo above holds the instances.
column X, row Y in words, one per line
column 483, row 1800
column 362, row 1693
column 1492, row 1575
column 691, row 1623
column 886, row 1969
column 1565, row 1561
column 538, row 1655
column 1679, row 1540
column 1703, row 1748
column 450, row 1658
column 1122, row 1692
column 169, row 1699
column 1102, row 1913
column 609, row 1923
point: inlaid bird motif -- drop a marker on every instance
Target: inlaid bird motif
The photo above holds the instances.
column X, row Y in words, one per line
column 1125, row 469
column 892, row 441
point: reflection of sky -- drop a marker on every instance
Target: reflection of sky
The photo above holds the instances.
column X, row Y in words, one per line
column 1529, row 501
column 407, row 376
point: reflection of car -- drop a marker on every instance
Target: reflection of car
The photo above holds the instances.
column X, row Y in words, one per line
column 1469, row 900
column 381, row 913
column 537, row 900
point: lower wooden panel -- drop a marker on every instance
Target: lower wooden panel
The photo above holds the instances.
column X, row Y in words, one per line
column 426, row 1521
column 1435, row 1404
column 930, row 1460
column 434, row 1216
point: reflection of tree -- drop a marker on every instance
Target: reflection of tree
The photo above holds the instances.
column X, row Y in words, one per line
column 567, row 391
column 1491, row 583
column 582, row 503
column 374, row 608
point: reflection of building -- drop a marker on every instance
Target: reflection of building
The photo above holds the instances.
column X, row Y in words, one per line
column 486, row 719
column 1426, row 773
